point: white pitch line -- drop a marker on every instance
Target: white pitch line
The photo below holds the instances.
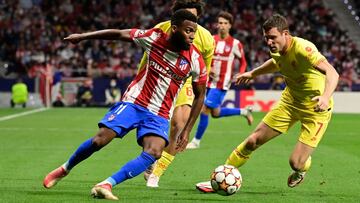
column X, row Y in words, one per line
column 4, row 118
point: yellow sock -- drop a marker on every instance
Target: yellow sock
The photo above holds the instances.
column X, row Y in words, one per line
column 163, row 163
column 239, row 156
column 307, row 165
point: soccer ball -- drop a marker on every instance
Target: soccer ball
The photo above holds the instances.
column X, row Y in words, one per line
column 226, row 180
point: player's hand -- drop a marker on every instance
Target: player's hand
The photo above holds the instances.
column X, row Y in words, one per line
column 243, row 78
column 322, row 103
column 182, row 141
column 74, row 38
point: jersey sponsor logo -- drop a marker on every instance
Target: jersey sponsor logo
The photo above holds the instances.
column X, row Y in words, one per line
column 308, row 49
column 155, row 36
column 167, row 71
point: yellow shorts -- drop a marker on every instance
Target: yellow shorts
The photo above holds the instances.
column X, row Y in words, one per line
column 313, row 124
column 186, row 95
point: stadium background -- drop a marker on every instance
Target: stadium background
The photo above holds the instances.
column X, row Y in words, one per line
column 31, row 33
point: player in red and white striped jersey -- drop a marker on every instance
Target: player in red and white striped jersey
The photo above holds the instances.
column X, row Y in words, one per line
column 148, row 102
column 227, row 49
column 157, row 85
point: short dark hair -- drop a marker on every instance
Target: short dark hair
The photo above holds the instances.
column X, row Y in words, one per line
column 181, row 15
column 227, row 16
column 183, row 4
column 277, row 21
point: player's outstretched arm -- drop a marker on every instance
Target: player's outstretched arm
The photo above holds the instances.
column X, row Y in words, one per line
column 108, row 34
column 183, row 137
column 331, row 82
column 267, row 67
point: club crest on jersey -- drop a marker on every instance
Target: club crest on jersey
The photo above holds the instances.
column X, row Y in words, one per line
column 111, row 117
column 227, row 48
column 183, row 64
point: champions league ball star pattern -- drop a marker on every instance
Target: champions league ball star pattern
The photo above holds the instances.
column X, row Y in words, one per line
column 226, row 180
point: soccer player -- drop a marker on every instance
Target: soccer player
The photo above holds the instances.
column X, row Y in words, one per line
column 307, row 98
column 148, row 101
column 220, row 77
column 204, row 42
column 19, row 94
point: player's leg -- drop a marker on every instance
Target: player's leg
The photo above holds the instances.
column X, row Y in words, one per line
column 262, row 134
column 180, row 116
column 109, row 128
column 225, row 112
column 277, row 121
column 152, row 136
column 86, row 149
column 12, row 103
column 153, row 145
column 217, row 111
column 313, row 127
column 300, row 161
column 201, row 128
column 212, row 101
column 220, row 112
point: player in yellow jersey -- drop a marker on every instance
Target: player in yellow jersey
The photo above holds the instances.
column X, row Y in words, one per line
column 307, row 98
column 204, row 42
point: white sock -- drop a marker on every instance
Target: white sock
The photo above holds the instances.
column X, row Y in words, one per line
column 65, row 166
column 243, row 112
column 109, row 180
column 196, row 141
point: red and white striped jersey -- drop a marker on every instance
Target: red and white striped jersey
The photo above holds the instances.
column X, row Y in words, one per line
column 226, row 50
column 158, row 83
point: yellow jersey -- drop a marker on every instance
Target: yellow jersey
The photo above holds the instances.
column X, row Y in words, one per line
column 303, row 80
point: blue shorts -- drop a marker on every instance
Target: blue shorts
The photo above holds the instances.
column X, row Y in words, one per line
column 214, row 97
column 124, row 116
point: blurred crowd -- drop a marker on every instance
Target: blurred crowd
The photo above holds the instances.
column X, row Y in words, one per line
column 31, row 32
column 356, row 8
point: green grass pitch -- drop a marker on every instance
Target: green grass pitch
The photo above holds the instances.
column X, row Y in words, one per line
column 35, row 144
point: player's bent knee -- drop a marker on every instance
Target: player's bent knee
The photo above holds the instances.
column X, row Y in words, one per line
column 154, row 145
column 215, row 115
column 103, row 137
column 97, row 143
column 154, row 151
